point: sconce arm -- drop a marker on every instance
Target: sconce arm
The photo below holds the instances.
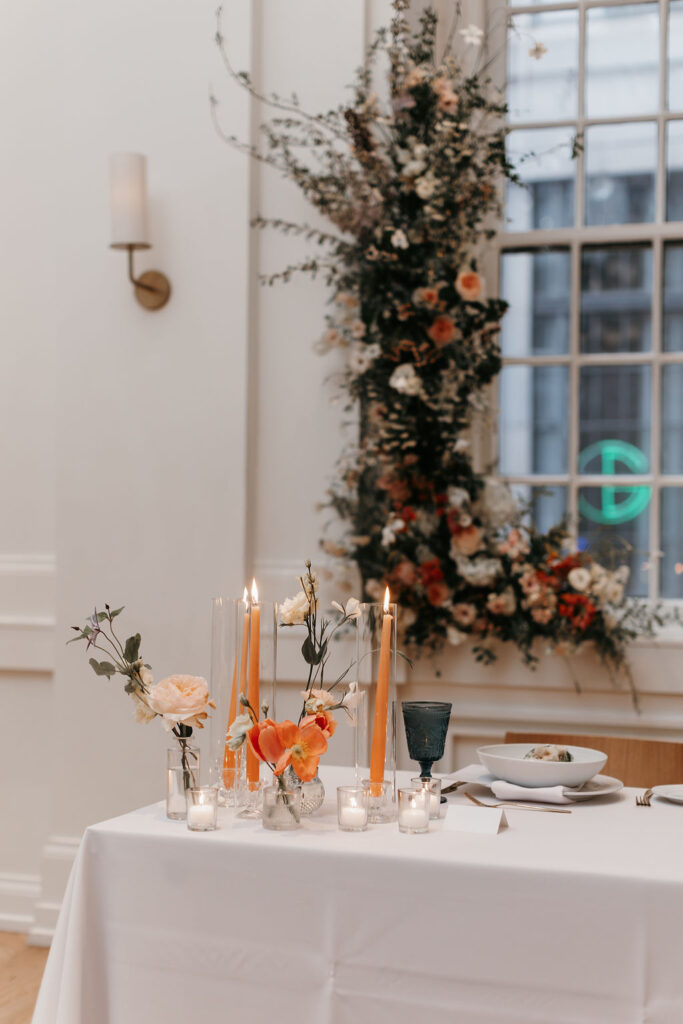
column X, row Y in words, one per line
column 138, row 282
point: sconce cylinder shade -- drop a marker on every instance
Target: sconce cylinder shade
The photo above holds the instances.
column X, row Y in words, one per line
column 128, row 175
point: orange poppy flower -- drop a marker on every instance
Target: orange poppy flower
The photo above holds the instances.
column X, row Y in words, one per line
column 302, row 747
column 325, row 721
column 264, row 741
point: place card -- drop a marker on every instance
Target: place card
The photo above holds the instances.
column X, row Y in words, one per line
column 485, row 820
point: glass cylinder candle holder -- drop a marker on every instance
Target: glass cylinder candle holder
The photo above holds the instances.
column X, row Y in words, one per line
column 182, row 772
column 202, row 808
column 243, row 665
column 281, row 808
column 375, row 747
column 413, row 810
column 352, row 808
column 433, row 786
column 381, row 802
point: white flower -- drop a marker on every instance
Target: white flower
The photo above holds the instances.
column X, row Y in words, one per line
column 146, row 675
column 294, row 610
column 405, row 380
column 373, row 351
column 375, row 589
column 472, row 35
column 457, row 497
column 498, row 504
column 143, row 713
column 413, row 168
column 425, row 186
column 399, row 240
column 237, row 732
column 352, row 697
column 455, row 637
column 359, row 359
column 614, row 592
column 358, row 329
column 621, row 574
column 461, row 445
column 537, row 51
column 479, row 572
column 579, row 579
column 352, row 609
column 390, row 530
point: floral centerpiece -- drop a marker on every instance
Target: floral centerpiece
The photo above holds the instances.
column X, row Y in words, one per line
column 180, row 701
column 408, row 177
column 291, row 750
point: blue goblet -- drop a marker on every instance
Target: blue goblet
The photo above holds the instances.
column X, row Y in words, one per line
column 426, row 723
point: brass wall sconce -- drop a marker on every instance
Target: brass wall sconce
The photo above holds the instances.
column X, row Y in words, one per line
column 129, row 225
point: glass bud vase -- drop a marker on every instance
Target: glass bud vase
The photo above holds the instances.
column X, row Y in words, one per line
column 281, row 807
column 182, row 773
column 312, row 793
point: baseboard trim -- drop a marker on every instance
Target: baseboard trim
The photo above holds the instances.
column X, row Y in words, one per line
column 18, row 894
column 58, row 857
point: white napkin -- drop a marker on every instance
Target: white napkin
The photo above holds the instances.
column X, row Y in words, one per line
column 547, row 795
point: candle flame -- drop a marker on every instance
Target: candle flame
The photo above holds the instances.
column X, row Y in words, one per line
column 387, row 599
column 245, row 597
column 254, row 592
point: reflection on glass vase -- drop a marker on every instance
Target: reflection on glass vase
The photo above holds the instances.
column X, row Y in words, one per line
column 312, row 793
column 182, row 773
column 281, row 806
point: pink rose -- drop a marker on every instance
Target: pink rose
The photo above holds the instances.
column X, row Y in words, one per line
column 180, row 699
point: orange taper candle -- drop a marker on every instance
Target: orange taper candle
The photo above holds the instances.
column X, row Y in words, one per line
column 379, row 730
column 254, row 695
column 229, row 757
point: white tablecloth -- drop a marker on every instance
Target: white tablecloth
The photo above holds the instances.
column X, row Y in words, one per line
column 559, row 918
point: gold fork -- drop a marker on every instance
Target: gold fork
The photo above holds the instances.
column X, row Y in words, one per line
column 519, row 807
column 644, row 799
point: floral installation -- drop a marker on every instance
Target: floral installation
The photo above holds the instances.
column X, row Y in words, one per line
column 180, row 701
column 410, row 185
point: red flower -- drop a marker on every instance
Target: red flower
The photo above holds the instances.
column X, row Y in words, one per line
column 437, row 594
column 431, row 572
column 564, row 567
column 578, row 609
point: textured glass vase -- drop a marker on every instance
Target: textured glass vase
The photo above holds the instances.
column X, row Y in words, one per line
column 312, row 793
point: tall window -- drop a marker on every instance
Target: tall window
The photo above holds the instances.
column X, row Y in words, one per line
column 591, row 263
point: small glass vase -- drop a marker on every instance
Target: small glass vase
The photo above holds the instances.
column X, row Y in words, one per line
column 182, row 773
column 281, row 808
column 312, row 793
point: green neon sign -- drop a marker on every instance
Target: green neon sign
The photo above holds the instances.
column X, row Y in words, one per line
column 633, row 499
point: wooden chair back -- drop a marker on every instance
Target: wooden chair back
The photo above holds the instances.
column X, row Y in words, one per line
column 636, row 762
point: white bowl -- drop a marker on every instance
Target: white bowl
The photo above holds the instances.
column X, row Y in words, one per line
column 506, row 761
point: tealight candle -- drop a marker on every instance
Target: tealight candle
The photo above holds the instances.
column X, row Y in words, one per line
column 352, row 808
column 413, row 810
column 433, row 786
column 202, row 808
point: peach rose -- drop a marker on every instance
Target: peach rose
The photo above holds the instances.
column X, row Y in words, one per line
column 180, row 699
column 467, row 542
column 464, row 614
column 469, row 285
column 443, row 331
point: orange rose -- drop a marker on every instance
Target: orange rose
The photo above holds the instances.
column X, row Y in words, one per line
column 469, row 285
column 443, row 331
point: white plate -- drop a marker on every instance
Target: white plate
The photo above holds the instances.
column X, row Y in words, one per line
column 673, row 793
column 506, row 761
column 599, row 785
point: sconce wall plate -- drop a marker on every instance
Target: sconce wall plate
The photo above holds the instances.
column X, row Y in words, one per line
column 152, row 289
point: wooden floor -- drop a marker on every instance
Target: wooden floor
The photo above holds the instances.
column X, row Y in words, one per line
column 21, row 968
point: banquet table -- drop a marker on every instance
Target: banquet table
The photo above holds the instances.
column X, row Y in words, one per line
column 558, row 918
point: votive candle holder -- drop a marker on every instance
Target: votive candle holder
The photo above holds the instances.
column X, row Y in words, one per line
column 202, row 808
column 381, row 803
column 433, row 786
column 413, row 810
column 352, row 808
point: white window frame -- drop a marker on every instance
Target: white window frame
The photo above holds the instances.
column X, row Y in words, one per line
column 574, row 239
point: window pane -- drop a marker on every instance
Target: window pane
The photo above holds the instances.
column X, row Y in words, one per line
column 673, row 298
column 622, row 60
column 614, row 424
column 674, row 170
column 616, row 299
column 536, row 285
column 533, row 419
column 671, row 542
column 543, row 160
column 676, row 55
column 546, row 89
column 620, row 173
column 614, row 526
column 672, row 419
column 547, row 505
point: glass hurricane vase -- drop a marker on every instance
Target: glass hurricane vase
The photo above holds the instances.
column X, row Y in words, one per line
column 182, row 773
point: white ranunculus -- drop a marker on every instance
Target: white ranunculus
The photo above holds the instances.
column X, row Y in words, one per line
column 294, row 610
column 455, row 637
column 405, row 380
column 237, row 732
column 479, row 572
column 579, row 579
column 497, row 503
column 399, row 239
